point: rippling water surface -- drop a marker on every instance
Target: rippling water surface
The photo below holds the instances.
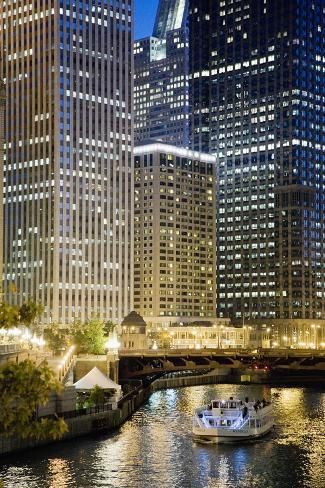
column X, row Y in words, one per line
column 155, row 448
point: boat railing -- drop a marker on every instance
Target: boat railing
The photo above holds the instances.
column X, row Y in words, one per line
column 239, row 424
column 233, row 413
column 255, row 414
column 202, row 421
column 236, row 426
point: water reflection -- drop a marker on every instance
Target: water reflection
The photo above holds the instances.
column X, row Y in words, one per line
column 155, row 448
column 60, row 474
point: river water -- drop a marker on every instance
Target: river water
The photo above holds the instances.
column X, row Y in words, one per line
column 154, row 449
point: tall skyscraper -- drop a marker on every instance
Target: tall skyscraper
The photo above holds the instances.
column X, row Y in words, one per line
column 2, row 142
column 161, row 78
column 171, row 15
column 68, row 168
column 174, row 233
column 258, row 102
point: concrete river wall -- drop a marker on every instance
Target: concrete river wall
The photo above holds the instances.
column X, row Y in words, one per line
column 112, row 419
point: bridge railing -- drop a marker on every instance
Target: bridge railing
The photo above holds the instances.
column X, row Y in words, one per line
column 283, row 352
column 10, row 348
column 178, row 352
column 66, row 363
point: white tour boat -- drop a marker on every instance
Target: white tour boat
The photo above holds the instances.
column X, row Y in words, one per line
column 232, row 420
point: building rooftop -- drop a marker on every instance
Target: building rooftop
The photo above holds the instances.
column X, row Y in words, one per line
column 153, row 146
column 133, row 319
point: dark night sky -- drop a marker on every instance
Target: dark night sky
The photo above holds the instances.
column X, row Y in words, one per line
column 145, row 11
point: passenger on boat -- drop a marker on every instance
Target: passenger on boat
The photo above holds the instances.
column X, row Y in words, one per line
column 244, row 412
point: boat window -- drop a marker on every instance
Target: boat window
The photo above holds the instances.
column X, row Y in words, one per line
column 229, row 422
column 252, row 423
column 233, row 405
column 211, row 422
column 223, row 423
column 258, row 423
column 215, row 404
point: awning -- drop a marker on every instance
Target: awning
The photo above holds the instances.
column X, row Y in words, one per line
column 96, row 377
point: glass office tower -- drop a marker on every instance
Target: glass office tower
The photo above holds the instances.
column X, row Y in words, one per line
column 258, row 102
column 68, row 196
column 161, row 102
column 170, row 16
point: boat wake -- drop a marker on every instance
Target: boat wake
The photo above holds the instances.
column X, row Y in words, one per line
column 201, row 440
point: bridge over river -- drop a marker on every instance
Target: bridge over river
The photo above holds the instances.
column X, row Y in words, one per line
column 137, row 364
column 140, row 363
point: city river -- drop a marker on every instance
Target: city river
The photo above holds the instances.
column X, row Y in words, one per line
column 154, row 449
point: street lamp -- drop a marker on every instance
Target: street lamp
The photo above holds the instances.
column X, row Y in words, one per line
column 60, row 371
column 316, row 329
column 314, row 334
column 245, row 341
column 112, row 344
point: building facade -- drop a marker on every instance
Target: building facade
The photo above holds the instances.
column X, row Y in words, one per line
column 68, row 169
column 161, row 100
column 214, row 334
column 2, row 143
column 174, row 272
column 208, row 336
column 133, row 332
column 258, row 99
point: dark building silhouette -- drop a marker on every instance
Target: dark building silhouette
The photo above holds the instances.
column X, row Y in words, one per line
column 257, row 96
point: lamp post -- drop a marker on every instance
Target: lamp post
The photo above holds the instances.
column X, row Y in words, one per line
column 316, row 329
column 60, row 371
column 313, row 339
column 112, row 357
column 220, row 330
column 285, row 340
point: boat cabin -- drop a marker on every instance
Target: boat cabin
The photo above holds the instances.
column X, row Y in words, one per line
column 233, row 418
column 218, row 407
column 225, row 404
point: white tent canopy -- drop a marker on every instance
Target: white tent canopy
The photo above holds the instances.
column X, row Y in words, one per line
column 96, row 377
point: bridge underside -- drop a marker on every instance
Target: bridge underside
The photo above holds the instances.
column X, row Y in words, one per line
column 135, row 367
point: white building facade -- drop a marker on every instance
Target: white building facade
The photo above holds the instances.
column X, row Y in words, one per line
column 68, row 169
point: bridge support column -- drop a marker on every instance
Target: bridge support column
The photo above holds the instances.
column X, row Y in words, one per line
column 112, row 360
